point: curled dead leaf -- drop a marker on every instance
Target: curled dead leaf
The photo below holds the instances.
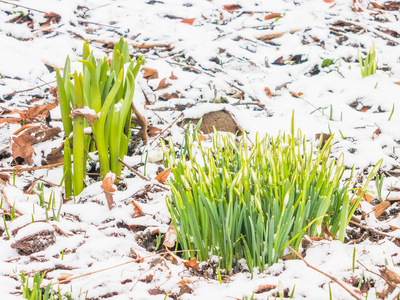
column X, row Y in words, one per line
column 108, row 187
column 170, row 237
column 173, row 77
column 296, row 95
column 162, row 176
column 142, row 122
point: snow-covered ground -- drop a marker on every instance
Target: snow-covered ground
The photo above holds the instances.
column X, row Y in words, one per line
column 260, row 60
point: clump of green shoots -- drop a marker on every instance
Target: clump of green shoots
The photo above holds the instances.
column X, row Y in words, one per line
column 237, row 200
column 368, row 64
column 36, row 292
column 100, row 100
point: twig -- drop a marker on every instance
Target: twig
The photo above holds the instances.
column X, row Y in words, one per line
column 133, row 170
column 373, row 230
column 15, row 4
column 116, row 266
column 323, row 273
column 387, row 281
column 27, row 90
column 165, row 129
column 16, row 169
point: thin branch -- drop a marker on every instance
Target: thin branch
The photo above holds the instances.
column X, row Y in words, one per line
column 373, row 230
column 18, row 5
column 133, row 170
column 323, row 273
column 17, row 169
column 27, row 90
column 116, row 266
column 165, row 129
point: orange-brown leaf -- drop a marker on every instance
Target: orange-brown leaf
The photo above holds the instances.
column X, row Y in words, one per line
column 268, row 92
column 188, row 21
column 272, row 16
column 162, row 176
column 153, row 131
column 173, row 77
column 231, row 7
column 296, row 95
column 367, row 197
column 376, row 133
column 162, row 85
column 380, row 208
column 192, row 263
column 108, row 187
column 150, row 73
column 265, row 288
column 137, row 210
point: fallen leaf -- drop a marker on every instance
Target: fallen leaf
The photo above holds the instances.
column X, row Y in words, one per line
column 397, row 82
column 185, row 281
column 325, row 138
column 376, row 5
column 4, row 178
column 367, row 197
column 89, row 114
column 268, row 92
column 185, row 289
column 265, row 288
column 188, row 21
column 269, row 37
column 192, row 263
column 390, row 276
column 173, row 77
column 380, row 208
column 21, row 147
column 170, row 236
column 376, row 133
column 327, row 233
column 231, row 7
column 364, row 108
column 296, row 95
column 272, row 16
column 64, row 276
column 142, row 122
column 137, row 210
column 108, row 187
column 162, row 85
column 162, row 176
column 167, row 96
column 316, row 238
column 135, row 255
column 156, row 291
column 149, row 73
column 153, row 131
column 393, row 227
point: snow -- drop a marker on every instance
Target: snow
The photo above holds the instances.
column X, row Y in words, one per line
column 97, row 237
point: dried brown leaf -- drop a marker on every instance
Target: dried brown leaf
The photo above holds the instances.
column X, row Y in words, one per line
column 173, row 77
column 170, row 237
column 380, row 208
column 188, row 21
column 265, row 288
column 162, row 85
column 89, row 114
column 108, row 187
column 137, row 210
column 163, row 176
column 21, row 147
column 231, row 7
column 150, row 73
column 142, row 122
column 272, row 16
column 192, row 263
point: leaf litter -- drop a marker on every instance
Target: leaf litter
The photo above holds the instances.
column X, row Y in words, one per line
column 248, row 64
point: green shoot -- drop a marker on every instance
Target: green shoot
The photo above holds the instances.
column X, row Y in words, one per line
column 5, row 226
column 379, row 185
column 391, row 114
column 368, row 64
column 354, row 259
